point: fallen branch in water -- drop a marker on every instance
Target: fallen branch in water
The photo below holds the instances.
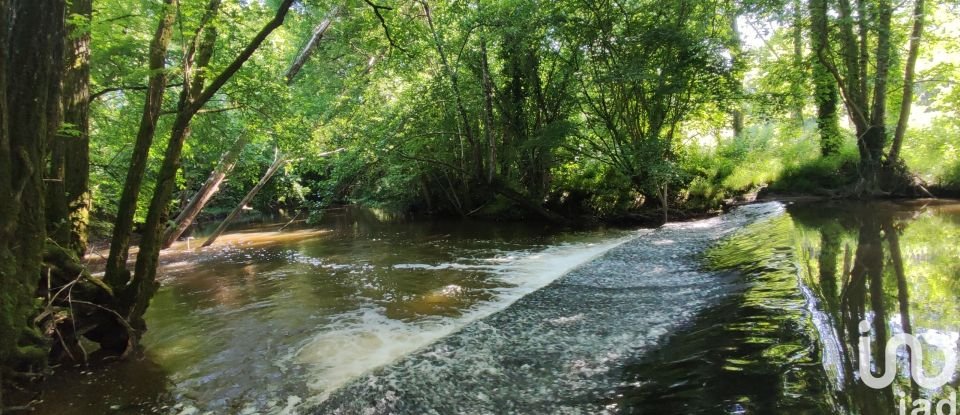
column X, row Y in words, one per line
column 291, row 221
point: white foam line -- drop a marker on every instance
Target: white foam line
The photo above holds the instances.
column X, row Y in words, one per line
column 367, row 339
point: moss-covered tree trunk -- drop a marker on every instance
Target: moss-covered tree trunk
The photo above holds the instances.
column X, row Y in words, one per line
column 143, row 284
column 825, row 89
column 30, row 68
column 908, row 81
column 116, row 274
column 862, row 79
column 68, row 196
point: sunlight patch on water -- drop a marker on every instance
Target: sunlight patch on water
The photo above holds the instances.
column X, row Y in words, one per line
column 255, row 239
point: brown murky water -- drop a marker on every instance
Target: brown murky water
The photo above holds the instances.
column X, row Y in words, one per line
column 265, row 320
column 667, row 321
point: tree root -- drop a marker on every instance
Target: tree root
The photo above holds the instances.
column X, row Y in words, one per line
column 79, row 305
column 893, row 181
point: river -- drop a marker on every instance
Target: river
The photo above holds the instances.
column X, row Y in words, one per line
column 755, row 311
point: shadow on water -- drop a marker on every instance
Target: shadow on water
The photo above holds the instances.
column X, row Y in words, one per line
column 789, row 343
column 364, row 314
column 135, row 387
column 749, row 354
column 263, row 320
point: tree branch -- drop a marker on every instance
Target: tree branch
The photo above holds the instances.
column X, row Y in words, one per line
column 247, row 52
column 105, row 91
column 207, row 110
column 318, row 33
column 383, row 23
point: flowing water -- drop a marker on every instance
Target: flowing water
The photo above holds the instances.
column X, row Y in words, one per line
column 756, row 311
column 270, row 321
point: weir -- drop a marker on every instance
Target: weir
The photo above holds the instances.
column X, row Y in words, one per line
column 754, row 311
column 561, row 349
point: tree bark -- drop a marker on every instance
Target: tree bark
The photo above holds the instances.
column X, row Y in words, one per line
column 825, row 87
column 68, row 196
column 209, row 189
column 867, row 110
column 908, row 81
column 874, row 140
column 115, row 273
column 849, row 84
column 277, row 163
column 318, row 33
column 143, row 284
column 31, row 45
column 195, row 63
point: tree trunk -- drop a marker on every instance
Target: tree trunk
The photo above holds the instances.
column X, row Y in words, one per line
column 874, row 140
column 908, row 75
column 115, row 273
column 31, row 45
column 825, row 87
column 488, row 113
column 665, row 202
column 195, row 63
column 795, row 87
column 206, row 192
column 144, row 285
column 867, row 109
column 476, row 153
column 318, row 33
column 68, row 196
column 246, row 199
column 736, row 50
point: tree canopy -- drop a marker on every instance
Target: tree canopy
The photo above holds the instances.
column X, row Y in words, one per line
column 127, row 123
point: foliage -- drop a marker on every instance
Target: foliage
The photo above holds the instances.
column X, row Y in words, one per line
column 512, row 109
column 590, row 107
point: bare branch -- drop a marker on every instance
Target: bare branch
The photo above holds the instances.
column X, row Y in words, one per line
column 383, row 23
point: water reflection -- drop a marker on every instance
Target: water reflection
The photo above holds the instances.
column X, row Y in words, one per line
column 264, row 321
column 751, row 353
column 895, row 267
column 789, row 341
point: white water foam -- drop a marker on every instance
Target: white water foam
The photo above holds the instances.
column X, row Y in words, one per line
column 367, row 339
